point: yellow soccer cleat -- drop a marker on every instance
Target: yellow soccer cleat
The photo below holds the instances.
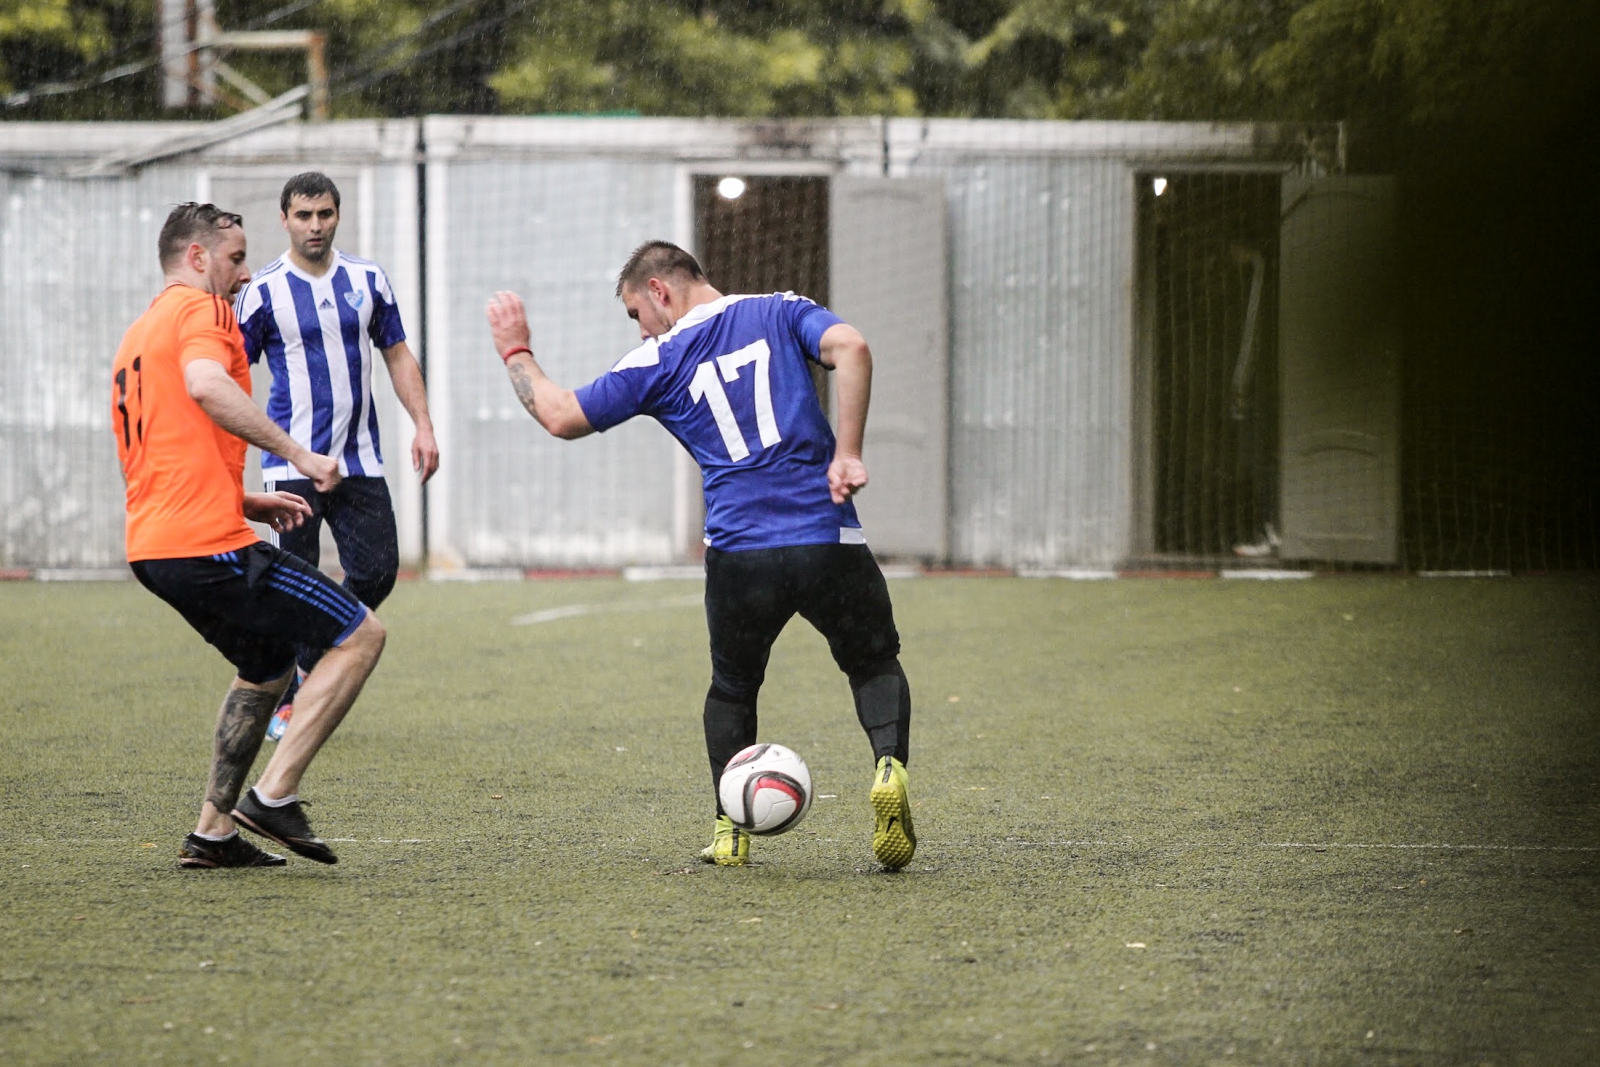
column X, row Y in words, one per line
column 893, row 840
column 730, row 846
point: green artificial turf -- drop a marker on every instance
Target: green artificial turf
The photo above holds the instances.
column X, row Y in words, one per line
column 1347, row 820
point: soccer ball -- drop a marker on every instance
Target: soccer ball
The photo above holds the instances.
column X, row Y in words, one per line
column 766, row 789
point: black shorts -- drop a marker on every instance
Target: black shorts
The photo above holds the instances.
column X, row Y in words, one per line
column 360, row 515
column 751, row 596
column 255, row 605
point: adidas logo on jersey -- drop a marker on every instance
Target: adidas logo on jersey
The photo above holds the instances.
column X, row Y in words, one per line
column 326, row 305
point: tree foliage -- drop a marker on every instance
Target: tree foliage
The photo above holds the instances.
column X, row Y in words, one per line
column 40, row 36
column 1376, row 61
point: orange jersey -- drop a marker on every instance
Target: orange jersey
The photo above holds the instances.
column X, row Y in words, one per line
column 185, row 473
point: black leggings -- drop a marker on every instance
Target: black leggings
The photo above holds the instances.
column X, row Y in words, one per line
column 752, row 595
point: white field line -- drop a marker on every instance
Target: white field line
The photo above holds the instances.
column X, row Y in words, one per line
column 1447, row 848
column 573, row 611
column 1187, row 846
column 477, row 574
column 697, row 572
column 1251, row 574
column 82, row 574
column 669, row 573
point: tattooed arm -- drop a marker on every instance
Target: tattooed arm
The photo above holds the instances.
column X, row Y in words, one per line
column 555, row 408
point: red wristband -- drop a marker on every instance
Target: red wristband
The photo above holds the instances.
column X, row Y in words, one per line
column 506, row 358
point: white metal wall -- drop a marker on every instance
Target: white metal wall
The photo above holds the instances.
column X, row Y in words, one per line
column 555, row 231
column 77, row 265
column 1040, row 224
column 1041, row 314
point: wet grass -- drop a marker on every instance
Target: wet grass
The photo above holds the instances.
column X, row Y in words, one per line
column 1352, row 820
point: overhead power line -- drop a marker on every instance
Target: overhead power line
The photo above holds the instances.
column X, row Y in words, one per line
column 373, row 72
column 389, row 48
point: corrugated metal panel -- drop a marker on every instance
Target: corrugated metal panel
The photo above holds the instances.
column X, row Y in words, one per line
column 557, row 233
column 77, row 265
column 392, row 242
column 888, row 279
column 1041, row 268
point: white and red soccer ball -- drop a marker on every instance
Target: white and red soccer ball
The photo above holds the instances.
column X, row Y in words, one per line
column 766, row 789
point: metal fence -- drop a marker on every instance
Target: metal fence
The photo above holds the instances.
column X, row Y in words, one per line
column 1045, row 438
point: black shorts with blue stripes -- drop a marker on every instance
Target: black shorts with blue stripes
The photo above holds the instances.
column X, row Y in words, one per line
column 255, row 605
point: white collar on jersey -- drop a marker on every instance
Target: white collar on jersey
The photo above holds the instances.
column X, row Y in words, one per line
column 701, row 312
column 335, row 260
column 648, row 354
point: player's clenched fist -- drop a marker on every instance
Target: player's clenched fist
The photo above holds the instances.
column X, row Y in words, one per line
column 508, row 323
column 322, row 470
column 847, row 476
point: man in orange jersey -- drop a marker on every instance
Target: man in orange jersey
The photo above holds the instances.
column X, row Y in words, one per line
column 182, row 415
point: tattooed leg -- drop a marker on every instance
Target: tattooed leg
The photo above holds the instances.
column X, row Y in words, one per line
column 241, row 725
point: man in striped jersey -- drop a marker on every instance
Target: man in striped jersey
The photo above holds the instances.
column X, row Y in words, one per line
column 316, row 314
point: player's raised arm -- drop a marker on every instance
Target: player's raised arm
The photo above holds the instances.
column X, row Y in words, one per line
column 230, row 407
column 555, row 408
column 845, row 352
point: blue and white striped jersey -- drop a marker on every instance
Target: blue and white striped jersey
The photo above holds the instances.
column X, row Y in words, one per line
column 317, row 335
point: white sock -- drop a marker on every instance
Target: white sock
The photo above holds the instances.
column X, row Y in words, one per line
column 214, row 837
column 279, row 803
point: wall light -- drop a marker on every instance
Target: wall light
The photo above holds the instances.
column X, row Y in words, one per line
column 1159, row 185
column 730, row 188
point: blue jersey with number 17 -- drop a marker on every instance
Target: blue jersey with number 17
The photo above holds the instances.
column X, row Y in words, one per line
column 732, row 382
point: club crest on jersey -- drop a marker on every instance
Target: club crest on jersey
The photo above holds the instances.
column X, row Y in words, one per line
column 355, row 298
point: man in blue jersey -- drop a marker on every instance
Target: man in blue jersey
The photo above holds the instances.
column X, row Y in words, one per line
column 729, row 377
column 315, row 314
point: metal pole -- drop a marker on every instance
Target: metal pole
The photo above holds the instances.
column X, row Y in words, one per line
column 317, row 74
column 422, row 296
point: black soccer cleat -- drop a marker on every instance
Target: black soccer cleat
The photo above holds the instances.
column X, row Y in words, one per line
column 286, row 825
column 231, row 851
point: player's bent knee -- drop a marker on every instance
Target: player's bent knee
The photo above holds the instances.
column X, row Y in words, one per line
column 735, row 690
column 729, row 696
column 860, row 676
column 374, row 589
column 275, row 685
column 367, row 638
column 377, row 633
